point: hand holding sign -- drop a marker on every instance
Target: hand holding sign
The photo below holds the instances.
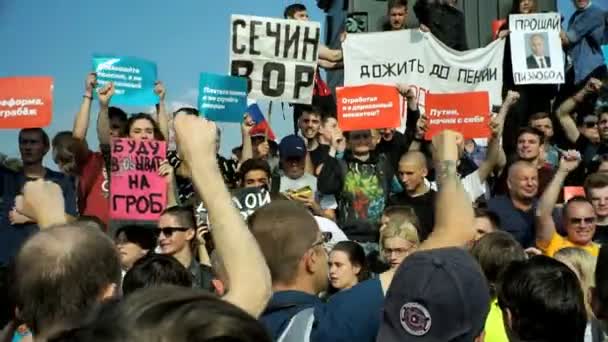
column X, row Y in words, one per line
column 105, row 93
column 166, row 171
column 90, row 83
column 407, row 91
column 159, row 90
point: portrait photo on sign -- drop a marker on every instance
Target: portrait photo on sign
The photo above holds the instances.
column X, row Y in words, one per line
column 538, row 52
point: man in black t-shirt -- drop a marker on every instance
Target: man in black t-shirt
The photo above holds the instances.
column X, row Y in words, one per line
column 418, row 194
column 309, row 124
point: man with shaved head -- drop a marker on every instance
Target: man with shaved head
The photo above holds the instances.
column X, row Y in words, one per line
column 61, row 274
column 293, row 246
column 516, row 210
column 412, row 171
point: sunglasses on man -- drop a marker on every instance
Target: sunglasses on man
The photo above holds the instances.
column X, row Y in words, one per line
column 168, row 231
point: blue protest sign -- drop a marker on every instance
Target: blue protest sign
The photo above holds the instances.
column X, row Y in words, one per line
column 222, row 98
column 133, row 79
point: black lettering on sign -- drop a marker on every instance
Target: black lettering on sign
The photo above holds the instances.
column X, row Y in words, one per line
column 305, row 76
column 143, row 204
column 291, row 40
column 312, row 40
column 117, row 146
column 253, row 37
column 242, row 69
column 276, row 34
column 145, row 163
column 139, row 182
column 235, row 47
column 114, row 165
column 269, row 69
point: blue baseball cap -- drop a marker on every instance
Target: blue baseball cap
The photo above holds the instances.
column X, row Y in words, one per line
column 436, row 295
column 292, row 146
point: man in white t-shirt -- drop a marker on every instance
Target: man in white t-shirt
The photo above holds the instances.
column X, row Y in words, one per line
column 298, row 185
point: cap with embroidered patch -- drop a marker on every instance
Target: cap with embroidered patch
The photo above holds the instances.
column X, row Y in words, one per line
column 436, row 295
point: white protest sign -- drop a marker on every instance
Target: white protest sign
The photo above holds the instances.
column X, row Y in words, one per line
column 277, row 56
column 536, row 49
column 419, row 59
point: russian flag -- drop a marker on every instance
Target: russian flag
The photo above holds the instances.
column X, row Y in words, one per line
column 261, row 124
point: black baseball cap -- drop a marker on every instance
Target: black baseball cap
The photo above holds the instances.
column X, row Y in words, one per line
column 439, row 295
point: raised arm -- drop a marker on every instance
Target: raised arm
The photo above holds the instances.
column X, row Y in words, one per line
column 161, row 109
column 81, row 122
column 567, row 107
column 103, row 120
column 495, row 158
column 246, row 126
column 244, row 262
column 545, row 226
column 454, row 211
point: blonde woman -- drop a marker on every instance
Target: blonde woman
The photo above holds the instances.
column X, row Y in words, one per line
column 583, row 264
column 397, row 241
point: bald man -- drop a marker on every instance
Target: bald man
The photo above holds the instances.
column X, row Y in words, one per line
column 412, row 171
column 516, row 210
column 61, row 274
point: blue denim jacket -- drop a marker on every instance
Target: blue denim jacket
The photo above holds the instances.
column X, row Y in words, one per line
column 586, row 33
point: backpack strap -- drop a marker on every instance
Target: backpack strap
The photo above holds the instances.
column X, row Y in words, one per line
column 299, row 327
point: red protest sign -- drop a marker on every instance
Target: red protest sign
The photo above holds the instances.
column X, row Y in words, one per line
column 26, row 102
column 467, row 113
column 573, row 191
column 137, row 192
column 368, row 107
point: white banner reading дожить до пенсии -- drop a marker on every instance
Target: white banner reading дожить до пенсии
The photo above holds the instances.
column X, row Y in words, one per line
column 419, row 59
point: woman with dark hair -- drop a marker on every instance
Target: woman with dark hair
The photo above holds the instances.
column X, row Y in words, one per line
column 133, row 242
column 142, row 126
column 347, row 265
column 169, row 313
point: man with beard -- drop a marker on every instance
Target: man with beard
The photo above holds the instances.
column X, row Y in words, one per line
column 579, row 216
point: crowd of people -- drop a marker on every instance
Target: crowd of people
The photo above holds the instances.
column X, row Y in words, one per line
column 371, row 235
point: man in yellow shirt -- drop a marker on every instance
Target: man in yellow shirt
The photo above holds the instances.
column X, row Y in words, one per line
column 578, row 214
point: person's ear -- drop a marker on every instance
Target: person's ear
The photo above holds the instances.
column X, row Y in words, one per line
column 190, row 234
column 424, row 171
column 357, row 269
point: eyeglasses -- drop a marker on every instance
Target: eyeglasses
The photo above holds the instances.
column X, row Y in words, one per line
column 168, row 231
column 580, row 220
column 324, row 238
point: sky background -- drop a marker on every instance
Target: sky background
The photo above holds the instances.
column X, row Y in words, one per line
column 184, row 38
